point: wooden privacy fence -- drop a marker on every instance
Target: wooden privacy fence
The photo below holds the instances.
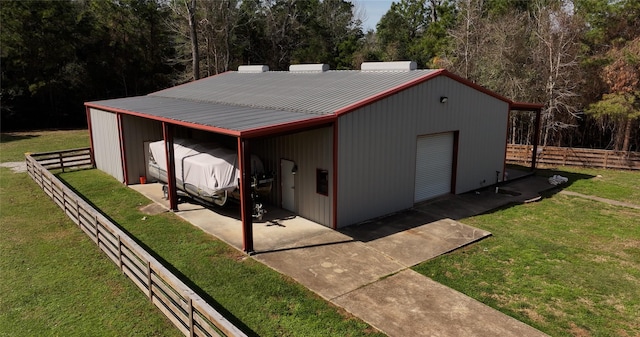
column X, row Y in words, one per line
column 568, row 156
column 186, row 309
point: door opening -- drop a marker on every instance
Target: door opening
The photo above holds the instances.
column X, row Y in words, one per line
column 288, row 171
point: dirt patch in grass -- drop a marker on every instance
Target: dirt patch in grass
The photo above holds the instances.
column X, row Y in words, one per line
column 578, row 331
column 16, row 167
column 153, row 209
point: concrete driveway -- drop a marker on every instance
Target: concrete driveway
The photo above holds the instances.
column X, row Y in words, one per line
column 365, row 268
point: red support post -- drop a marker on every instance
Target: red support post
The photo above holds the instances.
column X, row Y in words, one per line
column 246, row 202
column 172, row 194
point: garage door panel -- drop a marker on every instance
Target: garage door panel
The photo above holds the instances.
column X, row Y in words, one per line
column 434, row 162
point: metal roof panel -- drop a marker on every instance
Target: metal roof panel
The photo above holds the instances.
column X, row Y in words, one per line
column 311, row 92
column 229, row 117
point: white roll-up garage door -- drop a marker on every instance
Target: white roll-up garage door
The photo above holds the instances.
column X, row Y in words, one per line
column 434, row 164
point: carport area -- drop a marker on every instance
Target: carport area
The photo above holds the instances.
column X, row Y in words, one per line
column 365, row 268
column 279, row 229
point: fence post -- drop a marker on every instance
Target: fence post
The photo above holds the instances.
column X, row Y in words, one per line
column 42, row 178
column 61, row 161
column 191, row 332
column 64, row 201
column 119, row 253
column 150, row 293
column 77, row 212
column 95, row 223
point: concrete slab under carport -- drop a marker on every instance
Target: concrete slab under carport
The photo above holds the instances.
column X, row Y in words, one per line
column 279, row 229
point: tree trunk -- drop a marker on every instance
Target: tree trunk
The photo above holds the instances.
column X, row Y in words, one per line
column 627, row 134
column 195, row 54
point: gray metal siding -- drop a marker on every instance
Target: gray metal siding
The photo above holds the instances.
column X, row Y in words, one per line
column 482, row 122
column 310, row 150
column 106, row 143
column 374, row 152
column 377, row 145
column 136, row 131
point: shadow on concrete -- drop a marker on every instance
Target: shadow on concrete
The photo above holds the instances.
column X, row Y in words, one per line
column 524, row 187
column 273, row 217
column 323, row 244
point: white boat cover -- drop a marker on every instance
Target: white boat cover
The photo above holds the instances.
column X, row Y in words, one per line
column 209, row 166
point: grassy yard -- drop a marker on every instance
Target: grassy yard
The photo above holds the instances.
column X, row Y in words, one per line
column 566, row 265
column 53, row 279
column 264, row 301
column 611, row 184
column 13, row 145
column 56, row 282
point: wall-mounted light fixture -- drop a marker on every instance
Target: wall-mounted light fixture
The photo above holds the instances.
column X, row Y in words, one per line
column 294, row 170
column 444, row 99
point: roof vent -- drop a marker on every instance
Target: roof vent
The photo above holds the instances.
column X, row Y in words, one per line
column 389, row 66
column 253, row 69
column 302, row 68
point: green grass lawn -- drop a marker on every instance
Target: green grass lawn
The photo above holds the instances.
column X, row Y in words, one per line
column 55, row 281
column 566, row 265
column 611, row 184
column 13, row 145
column 260, row 299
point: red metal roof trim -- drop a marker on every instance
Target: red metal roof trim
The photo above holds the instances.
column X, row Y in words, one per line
column 292, row 126
column 439, row 72
column 388, row 92
column 526, row 106
column 475, row 86
column 287, row 127
column 167, row 120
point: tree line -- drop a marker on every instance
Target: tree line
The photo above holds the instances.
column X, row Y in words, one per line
column 580, row 58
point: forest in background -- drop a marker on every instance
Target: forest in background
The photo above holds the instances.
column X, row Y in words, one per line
column 580, row 58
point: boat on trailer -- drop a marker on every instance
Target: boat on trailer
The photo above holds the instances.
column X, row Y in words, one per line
column 208, row 173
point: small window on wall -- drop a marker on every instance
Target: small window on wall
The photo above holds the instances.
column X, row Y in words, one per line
column 322, row 182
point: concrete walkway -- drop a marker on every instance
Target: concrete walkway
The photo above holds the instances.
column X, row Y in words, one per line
column 364, row 268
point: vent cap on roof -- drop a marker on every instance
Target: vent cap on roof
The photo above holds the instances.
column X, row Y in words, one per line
column 389, row 66
column 302, row 68
column 253, row 69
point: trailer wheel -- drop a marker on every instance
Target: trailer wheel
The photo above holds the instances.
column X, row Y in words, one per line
column 220, row 199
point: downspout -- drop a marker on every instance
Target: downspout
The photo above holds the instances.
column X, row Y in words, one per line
column 246, row 202
column 172, row 193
